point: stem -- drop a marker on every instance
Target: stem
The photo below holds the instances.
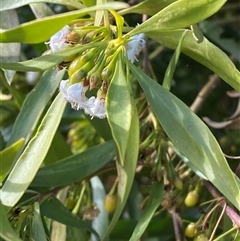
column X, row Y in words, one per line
column 177, row 226
column 231, row 213
column 77, row 206
column 226, row 233
column 212, row 83
column 217, row 223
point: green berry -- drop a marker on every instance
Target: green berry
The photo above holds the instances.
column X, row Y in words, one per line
column 191, row 230
column 191, row 198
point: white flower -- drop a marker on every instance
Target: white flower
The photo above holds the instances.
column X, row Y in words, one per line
column 135, row 46
column 99, row 109
column 63, row 88
column 75, row 95
column 58, row 40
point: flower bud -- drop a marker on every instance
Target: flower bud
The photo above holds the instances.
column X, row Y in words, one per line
column 172, row 175
column 78, row 76
column 109, row 51
column 81, row 73
column 88, row 37
column 106, row 73
column 94, row 80
column 73, row 37
column 89, row 55
column 75, row 65
column 105, row 85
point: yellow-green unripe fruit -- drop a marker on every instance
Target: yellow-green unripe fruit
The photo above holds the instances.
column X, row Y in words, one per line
column 110, row 203
column 191, row 230
column 191, row 198
column 201, row 237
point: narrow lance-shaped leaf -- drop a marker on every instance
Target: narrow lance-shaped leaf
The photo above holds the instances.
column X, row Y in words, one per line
column 29, row 32
column 149, row 7
column 9, row 51
column 127, row 166
column 25, row 168
column 54, row 209
column 37, row 225
column 190, row 136
column 6, row 230
column 7, row 156
column 167, row 81
column 45, row 62
column 34, row 105
column 41, row 10
column 18, row 97
column 101, row 222
column 6, row 4
column 2, row 141
column 119, row 109
column 155, row 198
column 75, row 167
column 205, row 53
column 215, row 33
column 180, row 14
column 126, row 173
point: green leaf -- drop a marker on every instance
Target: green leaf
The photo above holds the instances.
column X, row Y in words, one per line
column 149, row 7
column 75, row 167
column 7, row 156
column 155, row 198
column 34, row 105
column 54, row 209
column 9, row 51
column 45, row 62
column 6, row 230
column 180, row 14
column 127, row 165
column 119, row 109
column 2, row 141
column 164, row 226
column 168, row 77
column 89, row 3
column 101, row 222
column 6, row 4
column 205, row 53
column 190, row 136
column 41, row 10
column 58, row 150
column 197, row 33
column 25, row 168
column 214, row 33
column 101, row 126
column 15, row 93
column 38, row 231
column 41, row 30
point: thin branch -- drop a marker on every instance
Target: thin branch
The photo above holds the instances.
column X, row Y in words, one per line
column 231, row 212
column 212, row 83
column 177, row 225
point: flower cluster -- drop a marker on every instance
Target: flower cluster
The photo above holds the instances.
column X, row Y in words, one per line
column 75, row 95
column 92, row 68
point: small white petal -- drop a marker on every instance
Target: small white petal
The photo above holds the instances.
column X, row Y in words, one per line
column 76, row 95
column 63, row 88
column 57, row 41
column 135, row 46
column 99, row 109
